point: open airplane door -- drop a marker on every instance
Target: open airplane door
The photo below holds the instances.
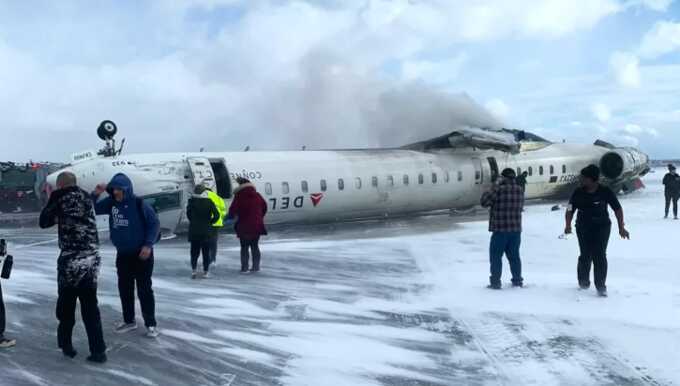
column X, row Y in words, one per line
column 202, row 172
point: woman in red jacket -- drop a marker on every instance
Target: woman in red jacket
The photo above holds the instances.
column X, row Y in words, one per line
column 248, row 209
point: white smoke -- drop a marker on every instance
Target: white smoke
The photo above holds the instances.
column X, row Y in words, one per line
column 331, row 104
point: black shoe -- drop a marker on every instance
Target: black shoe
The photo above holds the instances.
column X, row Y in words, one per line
column 97, row 358
column 584, row 286
column 255, row 270
column 518, row 284
column 602, row 292
column 69, row 352
column 494, row 286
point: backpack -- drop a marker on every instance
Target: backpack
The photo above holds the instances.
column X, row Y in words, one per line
column 140, row 210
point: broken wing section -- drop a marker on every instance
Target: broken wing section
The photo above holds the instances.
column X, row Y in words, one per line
column 486, row 139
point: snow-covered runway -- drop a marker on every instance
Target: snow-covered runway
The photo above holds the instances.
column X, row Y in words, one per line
column 395, row 303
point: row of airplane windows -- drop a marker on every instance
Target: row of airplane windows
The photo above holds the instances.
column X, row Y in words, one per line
column 323, row 184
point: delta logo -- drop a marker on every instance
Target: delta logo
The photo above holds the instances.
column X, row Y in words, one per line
column 316, row 198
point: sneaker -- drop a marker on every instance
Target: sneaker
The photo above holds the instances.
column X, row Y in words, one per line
column 518, row 284
column 7, row 343
column 97, row 358
column 206, row 275
column 254, row 270
column 602, row 292
column 194, row 275
column 152, row 332
column 244, row 272
column 584, row 286
column 494, row 286
column 123, row 327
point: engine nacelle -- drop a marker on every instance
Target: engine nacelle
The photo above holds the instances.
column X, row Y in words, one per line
column 624, row 163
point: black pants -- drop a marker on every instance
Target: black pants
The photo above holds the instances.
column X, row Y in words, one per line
column 593, row 241
column 254, row 246
column 198, row 247
column 89, row 310
column 213, row 248
column 674, row 199
column 133, row 270
column 2, row 315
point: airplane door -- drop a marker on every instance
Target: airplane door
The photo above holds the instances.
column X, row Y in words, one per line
column 479, row 171
column 202, row 172
column 494, row 168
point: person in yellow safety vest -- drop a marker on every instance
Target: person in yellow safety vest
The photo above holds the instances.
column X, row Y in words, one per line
column 222, row 209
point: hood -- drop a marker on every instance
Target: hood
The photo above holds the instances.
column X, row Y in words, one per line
column 122, row 182
column 202, row 195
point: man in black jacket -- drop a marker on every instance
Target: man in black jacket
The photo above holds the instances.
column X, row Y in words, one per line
column 671, row 182
column 202, row 214
column 78, row 265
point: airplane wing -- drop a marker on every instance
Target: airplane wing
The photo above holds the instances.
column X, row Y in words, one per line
column 503, row 140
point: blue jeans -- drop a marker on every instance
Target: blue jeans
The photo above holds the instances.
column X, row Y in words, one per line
column 508, row 243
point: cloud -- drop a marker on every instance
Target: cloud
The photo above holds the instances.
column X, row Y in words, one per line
column 636, row 130
column 663, row 38
column 626, row 69
column 601, row 112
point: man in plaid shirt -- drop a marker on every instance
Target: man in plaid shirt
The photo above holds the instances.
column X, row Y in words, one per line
column 505, row 202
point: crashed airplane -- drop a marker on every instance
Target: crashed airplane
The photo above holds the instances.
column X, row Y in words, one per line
column 447, row 172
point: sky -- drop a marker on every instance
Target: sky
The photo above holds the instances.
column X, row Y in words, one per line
column 275, row 74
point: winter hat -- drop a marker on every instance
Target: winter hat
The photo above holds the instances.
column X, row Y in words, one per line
column 671, row 167
column 592, row 172
column 241, row 180
column 509, row 173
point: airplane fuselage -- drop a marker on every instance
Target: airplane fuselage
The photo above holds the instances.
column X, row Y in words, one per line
column 326, row 186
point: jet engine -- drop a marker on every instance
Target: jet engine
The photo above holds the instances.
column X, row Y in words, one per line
column 623, row 166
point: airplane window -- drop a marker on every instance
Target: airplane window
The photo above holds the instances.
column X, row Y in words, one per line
column 341, row 184
column 406, row 179
column 531, row 171
column 357, row 183
column 390, row 181
column 374, row 182
column 540, row 170
column 434, row 178
column 164, row 201
column 268, row 189
column 421, row 179
column 323, row 185
column 552, row 170
column 285, row 188
column 460, row 175
column 564, row 169
column 305, row 187
column 447, row 176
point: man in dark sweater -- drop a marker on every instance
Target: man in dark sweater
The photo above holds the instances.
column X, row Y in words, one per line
column 671, row 182
column 78, row 265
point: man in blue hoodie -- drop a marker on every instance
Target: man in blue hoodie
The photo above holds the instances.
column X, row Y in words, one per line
column 134, row 229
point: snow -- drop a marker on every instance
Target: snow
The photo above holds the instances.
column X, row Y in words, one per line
column 395, row 303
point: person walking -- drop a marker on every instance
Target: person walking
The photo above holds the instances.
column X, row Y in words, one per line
column 221, row 206
column 202, row 214
column 593, row 227
column 522, row 180
column 671, row 182
column 77, row 266
column 4, row 342
column 134, row 229
column 248, row 209
column 505, row 201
